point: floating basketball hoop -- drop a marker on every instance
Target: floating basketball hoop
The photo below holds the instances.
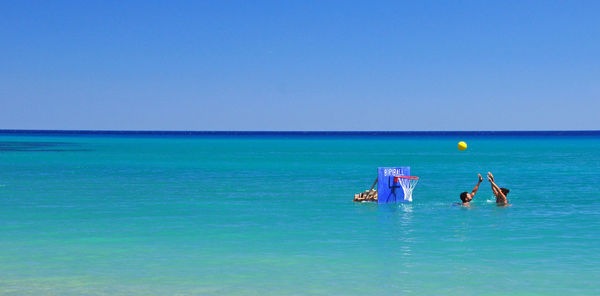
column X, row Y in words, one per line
column 408, row 183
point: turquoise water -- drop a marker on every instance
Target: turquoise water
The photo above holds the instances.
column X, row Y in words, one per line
column 273, row 215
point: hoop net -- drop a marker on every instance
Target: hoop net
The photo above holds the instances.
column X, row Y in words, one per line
column 408, row 183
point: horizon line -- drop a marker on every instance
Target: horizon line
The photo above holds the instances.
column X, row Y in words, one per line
column 258, row 132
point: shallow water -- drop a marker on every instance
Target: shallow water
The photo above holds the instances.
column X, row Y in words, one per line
column 273, row 215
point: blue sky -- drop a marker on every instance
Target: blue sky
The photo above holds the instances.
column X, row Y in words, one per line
column 300, row 65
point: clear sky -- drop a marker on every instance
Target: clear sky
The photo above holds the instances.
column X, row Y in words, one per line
column 300, row 65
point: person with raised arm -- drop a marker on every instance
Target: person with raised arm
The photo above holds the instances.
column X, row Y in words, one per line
column 499, row 192
column 467, row 197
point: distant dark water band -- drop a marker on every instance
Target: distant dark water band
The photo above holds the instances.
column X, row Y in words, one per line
column 27, row 146
column 583, row 133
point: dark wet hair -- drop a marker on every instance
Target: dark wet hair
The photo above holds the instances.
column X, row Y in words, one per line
column 463, row 196
column 504, row 190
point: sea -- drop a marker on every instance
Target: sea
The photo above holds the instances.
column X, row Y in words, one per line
column 271, row 213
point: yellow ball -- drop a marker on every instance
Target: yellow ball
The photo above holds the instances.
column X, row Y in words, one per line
column 462, row 146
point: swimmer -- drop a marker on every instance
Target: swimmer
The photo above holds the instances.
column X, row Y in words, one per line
column 499, row 192
column 467, row 197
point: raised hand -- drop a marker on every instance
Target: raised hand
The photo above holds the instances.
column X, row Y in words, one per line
column 490, row 177
column 480, row 178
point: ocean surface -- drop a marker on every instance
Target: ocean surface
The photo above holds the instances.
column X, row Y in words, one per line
column 272, row 214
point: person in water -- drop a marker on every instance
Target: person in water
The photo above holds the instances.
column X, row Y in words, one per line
column 467, row 197
column 499, row 192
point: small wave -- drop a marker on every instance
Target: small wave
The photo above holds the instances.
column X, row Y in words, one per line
column 406, row 208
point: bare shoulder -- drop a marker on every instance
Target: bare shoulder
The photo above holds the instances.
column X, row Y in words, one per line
column 468, row 205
